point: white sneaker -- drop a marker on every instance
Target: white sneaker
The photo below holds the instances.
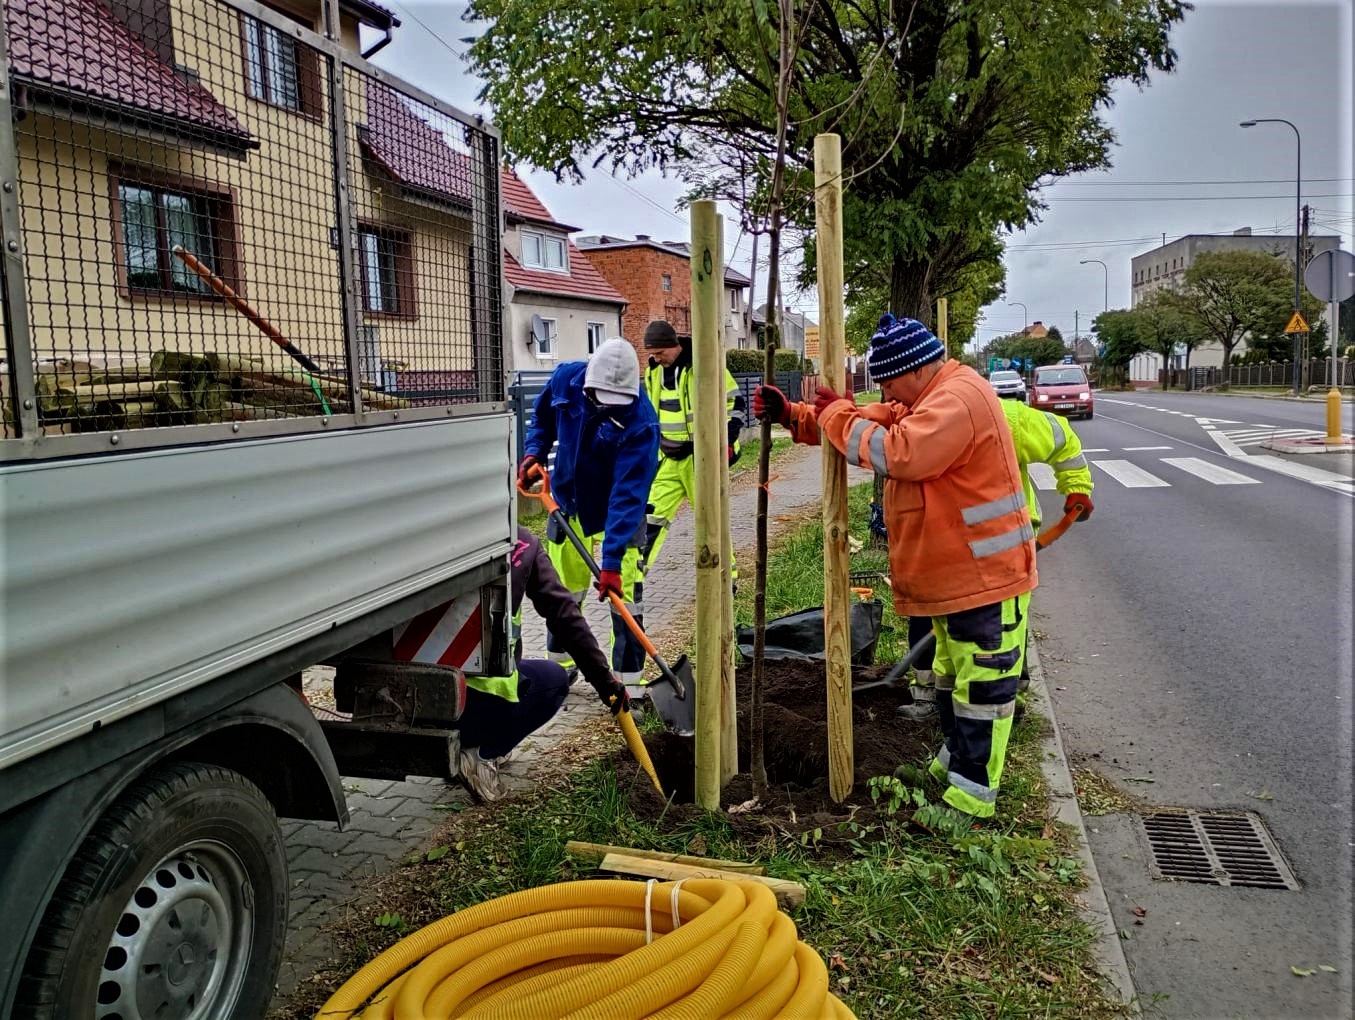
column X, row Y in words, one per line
column 480, row 777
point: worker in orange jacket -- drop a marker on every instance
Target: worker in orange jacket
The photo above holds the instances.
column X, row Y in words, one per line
column 961, row 546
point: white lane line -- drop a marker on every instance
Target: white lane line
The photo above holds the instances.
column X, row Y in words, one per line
column 1043, row 476
column 1095, row 449
column 1131, row 476
column 1135, row 449
column 1326, row 479
column 1228, row 446
column 1211, row 473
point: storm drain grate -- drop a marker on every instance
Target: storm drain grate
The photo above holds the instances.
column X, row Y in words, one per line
column 1216, row 848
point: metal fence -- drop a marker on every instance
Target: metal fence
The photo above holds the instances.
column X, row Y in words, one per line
column 216, row 217
column 1316, row 372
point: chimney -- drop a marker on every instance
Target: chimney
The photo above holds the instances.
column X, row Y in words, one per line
column 1242, row 232
column 1037, row 322
column 642, row 237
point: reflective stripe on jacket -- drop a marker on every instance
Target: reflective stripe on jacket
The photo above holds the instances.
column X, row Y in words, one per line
column 675, row 407
column 531, row 575
column 1046, row 438
column 955, row 506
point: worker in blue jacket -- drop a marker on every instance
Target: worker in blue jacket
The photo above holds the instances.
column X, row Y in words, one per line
column 605, row 463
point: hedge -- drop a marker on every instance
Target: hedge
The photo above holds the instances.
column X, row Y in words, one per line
column 752, row 361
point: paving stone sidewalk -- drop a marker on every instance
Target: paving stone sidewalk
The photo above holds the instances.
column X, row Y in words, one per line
column 390, row 820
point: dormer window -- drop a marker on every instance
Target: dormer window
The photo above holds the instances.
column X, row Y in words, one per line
column 542, row 251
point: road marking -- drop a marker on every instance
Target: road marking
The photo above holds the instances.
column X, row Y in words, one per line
column 1131, row 476
column 1135, row 449
column 1229, row 447
column 1043, row 476
column 1211, row 473
column 1095, row 449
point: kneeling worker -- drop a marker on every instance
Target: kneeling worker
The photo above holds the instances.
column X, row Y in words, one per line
column 502, row 711
column 961, row 546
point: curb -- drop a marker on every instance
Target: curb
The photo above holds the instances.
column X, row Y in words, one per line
column 1109, row 951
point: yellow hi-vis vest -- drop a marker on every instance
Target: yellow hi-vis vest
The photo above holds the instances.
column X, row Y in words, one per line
column 674, row 406
column 505, row 687
column 1046, row 438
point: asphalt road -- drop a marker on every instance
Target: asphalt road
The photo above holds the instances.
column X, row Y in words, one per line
column 1197, row 634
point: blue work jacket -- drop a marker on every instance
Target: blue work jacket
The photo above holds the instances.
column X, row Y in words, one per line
column 606, row 461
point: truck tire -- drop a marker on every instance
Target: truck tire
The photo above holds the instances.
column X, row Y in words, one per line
column 175, row 905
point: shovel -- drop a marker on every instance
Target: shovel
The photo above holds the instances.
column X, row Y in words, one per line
column 1045, row 540
column 672, row 695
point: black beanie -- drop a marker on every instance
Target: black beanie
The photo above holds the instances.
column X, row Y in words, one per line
column 660, row 334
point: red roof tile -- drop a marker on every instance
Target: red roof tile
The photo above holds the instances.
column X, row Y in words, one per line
column 77, row 47
column 583, row 281
column 520, row 202
column 410, row 149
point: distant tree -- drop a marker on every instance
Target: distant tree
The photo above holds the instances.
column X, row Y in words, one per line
column 1233, row 296
column 1032, row 350
column 1057, row 334
column 1165, row 326
column 1118, row 340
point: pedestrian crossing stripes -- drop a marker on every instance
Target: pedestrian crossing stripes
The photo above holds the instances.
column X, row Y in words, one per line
column 1257, row 435
column 1130, row 475
column 1212, row 473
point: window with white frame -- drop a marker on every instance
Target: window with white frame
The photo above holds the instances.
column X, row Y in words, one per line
column 667, row 282
column 733, row 300
column 545, row 345
column 597, row 333
column 542, row 251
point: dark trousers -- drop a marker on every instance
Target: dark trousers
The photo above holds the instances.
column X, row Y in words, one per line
column 496, row 725
column 918, row 628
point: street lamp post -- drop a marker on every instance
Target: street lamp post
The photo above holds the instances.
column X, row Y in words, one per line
column 1105, row 291
column 1025, row 314
column 1298, row 230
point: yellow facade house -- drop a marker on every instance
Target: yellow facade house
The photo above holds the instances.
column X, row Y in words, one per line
column 146, row 125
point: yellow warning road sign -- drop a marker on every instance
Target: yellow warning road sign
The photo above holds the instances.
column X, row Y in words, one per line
column 1296, row 325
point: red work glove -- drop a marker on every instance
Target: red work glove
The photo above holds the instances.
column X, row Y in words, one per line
column 526, row 476
column 730, row 455
column 609, row 580
column 1078, row 501
column 823, row 398
column 770, row 404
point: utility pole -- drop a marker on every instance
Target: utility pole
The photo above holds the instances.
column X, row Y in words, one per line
column 1301, row 369
column 1076, row 326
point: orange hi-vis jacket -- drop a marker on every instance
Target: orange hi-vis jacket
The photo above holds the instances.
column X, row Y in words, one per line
column 955, row 507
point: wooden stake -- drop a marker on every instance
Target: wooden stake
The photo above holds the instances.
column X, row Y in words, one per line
column 729, row 702
column 597, row 851
column 836, row 566
column 943, row 323
column 788, row 894
column 708, row 364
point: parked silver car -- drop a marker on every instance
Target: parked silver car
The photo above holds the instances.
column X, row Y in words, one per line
column 1008, row 384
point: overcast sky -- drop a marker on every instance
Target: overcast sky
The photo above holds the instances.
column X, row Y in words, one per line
column 1182, row 165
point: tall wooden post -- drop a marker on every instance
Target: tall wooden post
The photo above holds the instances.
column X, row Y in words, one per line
column 729, row 706
column 708, row 364
column 836, row 566
column 943, row 323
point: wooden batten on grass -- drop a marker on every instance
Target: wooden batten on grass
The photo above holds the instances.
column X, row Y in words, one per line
column 788, row 894
column 729, row 703
column 707, row 266
column 597, row 851
column 836, row 554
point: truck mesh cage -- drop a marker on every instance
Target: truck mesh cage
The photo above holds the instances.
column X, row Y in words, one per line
column 217, row 216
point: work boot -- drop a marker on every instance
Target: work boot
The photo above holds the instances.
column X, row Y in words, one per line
column 923, row 707
column 480, row 777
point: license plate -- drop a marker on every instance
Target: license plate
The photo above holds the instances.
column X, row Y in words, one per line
column 1063, row 407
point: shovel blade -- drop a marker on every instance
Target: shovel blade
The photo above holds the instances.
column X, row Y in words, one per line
column 678, row 714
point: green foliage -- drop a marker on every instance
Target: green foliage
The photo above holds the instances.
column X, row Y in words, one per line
column 1036, row 350
column 737, row 360
column 1117, row 330
column 1235, row 295
column 952, row 113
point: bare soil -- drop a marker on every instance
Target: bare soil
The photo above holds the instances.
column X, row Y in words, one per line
column 796, row 751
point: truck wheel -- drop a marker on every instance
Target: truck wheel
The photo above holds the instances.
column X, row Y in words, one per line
column 174, row 906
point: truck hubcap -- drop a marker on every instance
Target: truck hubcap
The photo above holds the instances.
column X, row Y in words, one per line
column 181, row 945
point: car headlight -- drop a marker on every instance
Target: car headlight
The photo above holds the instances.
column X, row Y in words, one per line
column 1084, row 396
column 1043, row 397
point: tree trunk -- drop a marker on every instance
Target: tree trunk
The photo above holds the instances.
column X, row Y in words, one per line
column 910, row 289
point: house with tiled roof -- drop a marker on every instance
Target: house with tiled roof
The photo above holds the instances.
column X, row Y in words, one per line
column 655, row 279
column 560, row 308
column 146, row 128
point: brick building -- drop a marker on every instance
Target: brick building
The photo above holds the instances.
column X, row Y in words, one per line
column 655, row 279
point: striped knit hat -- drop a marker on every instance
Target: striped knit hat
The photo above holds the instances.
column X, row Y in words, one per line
column 900, row 346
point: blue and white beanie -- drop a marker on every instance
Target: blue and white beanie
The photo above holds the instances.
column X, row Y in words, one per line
column 900, row 346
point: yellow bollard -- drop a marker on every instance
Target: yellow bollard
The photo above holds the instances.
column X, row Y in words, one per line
column 1333, row 415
